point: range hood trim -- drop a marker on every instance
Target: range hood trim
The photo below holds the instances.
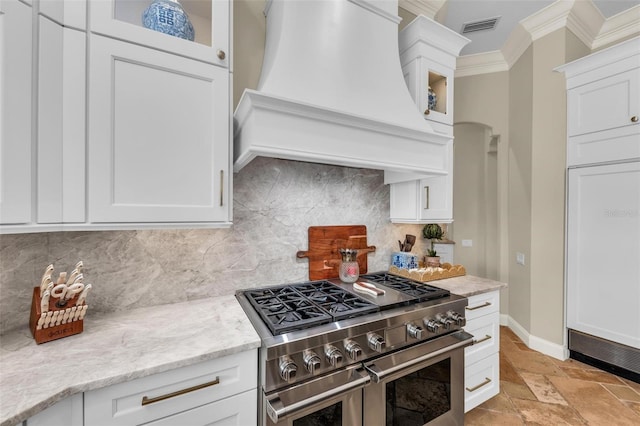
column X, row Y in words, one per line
column 255, row 106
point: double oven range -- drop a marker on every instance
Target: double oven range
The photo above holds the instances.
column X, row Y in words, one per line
column 334, row 356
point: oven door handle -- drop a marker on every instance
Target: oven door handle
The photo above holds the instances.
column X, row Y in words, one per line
column 378, row 375
column 276, row 408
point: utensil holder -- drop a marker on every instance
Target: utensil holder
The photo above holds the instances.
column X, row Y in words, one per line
column 54, row 332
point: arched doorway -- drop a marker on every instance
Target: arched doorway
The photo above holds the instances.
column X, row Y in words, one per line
column 475, row 199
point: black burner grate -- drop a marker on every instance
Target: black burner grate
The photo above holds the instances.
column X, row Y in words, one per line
column 299, row 306
column 407, row 286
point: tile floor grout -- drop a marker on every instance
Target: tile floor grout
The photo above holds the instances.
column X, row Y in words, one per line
column 536, row 389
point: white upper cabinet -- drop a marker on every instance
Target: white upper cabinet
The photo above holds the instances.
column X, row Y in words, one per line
column 15, row 112
column 428, row 53
column 132, row 127
column 603, row 105
column 211, row 20
column 159, row 136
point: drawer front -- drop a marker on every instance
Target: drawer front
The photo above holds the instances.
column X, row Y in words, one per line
column 185, row 388
column 486, row 332
column 237, row 410
column 481, row 381
column 482, row 304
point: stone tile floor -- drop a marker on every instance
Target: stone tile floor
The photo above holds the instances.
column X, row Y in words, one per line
column 539, row 390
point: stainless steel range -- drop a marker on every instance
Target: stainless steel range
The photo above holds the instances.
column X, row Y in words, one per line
column 389, row 351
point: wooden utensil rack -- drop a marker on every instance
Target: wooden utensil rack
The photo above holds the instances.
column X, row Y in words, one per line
column 53, row 331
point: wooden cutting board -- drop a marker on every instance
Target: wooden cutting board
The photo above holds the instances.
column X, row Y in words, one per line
column 325, row 243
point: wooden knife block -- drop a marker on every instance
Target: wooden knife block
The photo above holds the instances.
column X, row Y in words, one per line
column 56, row 331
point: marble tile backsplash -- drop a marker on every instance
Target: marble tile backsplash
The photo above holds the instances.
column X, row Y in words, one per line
column 275, row 201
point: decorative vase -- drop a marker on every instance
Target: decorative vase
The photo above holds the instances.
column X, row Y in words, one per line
column 432, row 99
column 404, row 260
column 168, row 17
column 349, row 270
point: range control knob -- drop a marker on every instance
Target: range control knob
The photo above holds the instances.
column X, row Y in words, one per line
column 414, row 331
column 352, row 349
column 432, row 325
column 445, row 321
column 333, row 354
column 311, row 361
column 376, row 341
column 459, row 319
column 288, row 368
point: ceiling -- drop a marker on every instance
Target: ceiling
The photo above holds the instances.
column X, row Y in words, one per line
column 454, row 14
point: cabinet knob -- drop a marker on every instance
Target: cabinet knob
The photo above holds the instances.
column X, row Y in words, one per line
column 427, row 111
column 634, row 119
column 221, row 54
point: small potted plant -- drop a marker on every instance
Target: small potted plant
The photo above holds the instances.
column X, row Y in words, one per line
column 433, row 232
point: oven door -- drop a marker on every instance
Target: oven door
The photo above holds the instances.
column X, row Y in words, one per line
column 423, row 384
column 331, row 400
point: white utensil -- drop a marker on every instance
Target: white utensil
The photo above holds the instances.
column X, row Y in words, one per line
column 361, row 289
column 79, row 266
column 62, row 278
column 72, row 276
column 72, row 313
column 73, row 289
column 59, row 291
column 41, row 321
column 76, row 314
column 44, row 302
column 47, row 273
column 45, row 283
column 47, row 320
column 54, row 318
column 83, row 311
column 83, row 295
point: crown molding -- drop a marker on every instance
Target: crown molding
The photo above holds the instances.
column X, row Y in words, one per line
column 618, row 27
column 581, row 17
column 481, row 63
column 428, row 8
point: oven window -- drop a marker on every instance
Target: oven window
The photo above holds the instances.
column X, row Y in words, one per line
column 419, row 397
column 329, row 416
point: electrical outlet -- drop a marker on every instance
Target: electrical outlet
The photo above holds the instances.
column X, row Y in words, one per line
column 467, row 243
column 520, row 258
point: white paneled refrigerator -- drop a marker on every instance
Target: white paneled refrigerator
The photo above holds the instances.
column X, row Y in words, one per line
column 603, row 263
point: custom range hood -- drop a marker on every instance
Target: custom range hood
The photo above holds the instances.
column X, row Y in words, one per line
column 332, row 91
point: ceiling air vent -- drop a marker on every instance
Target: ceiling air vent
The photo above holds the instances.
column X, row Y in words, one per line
column 483, row 25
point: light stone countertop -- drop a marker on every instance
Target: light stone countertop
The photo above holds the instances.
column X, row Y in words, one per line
column 115, row 348
column 468, row 285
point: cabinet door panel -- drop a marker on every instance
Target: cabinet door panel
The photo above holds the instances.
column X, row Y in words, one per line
column 15, row 112
column 61, row 124
column 159, row 136
column 603, row 248
column 604, row 104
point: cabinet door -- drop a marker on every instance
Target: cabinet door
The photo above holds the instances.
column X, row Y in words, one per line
column 158, row 136
column 603, row 248
column 211, row 20
column 61, row 123
column 435, row 197
column 67, row 412
column 15, row 112
column 604, row 104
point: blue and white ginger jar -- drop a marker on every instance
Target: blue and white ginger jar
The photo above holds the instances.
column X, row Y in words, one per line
column 167, row 16
column 432, row 100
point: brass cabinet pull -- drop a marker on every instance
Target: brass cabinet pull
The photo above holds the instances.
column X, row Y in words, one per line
column 427, row 111
column 221, row 55
column 426, row 195
column 476, row 387
column 486, row 337
column 147, row 401
column 221, row 187
column 634, row 119
column 485, row 304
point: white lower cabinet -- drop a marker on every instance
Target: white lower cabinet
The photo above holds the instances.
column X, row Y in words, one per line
column 217, row 392
column 67, row 412
column 482, row 359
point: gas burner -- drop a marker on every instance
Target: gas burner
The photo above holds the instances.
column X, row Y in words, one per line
column 299, row 306
column 407, row 286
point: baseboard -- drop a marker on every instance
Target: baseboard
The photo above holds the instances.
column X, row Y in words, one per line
column 536, row 343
